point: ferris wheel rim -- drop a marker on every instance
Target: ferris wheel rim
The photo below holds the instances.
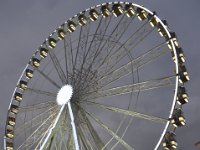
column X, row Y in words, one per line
column 173, row 48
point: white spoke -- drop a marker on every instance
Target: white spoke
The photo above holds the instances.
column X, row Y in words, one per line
column 87, row 130
column 142, row 86
column 37, row 106
column 129, row 113
column 137, row 37
column 133, row 65
column 58, row 139
column 37, row 120
column 35, row 136
column 112, row 133
column 37, row 91
column 42, row 137
column 120, row 124
column 53, row 128
column 124, row 132
column 128, row 45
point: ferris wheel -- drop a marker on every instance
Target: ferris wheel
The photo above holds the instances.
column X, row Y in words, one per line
column 110, row 77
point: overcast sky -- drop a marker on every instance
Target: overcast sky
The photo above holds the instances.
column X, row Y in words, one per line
column 24, row 25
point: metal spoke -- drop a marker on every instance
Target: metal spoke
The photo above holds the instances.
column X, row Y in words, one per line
column 112, row 133
column 84, row 141
column 37, row 106
column 87, row 129
column 81, row 50
column 42, row 137
column 53, row 143
column 137, row 37
column 53, row 128
column 120, row 124
column 71, row 52
column 58, row 139
column 133, row 40
column 124, row 132
column 129, row 44
column 91, row 43
column 63, row 133
column 48, row 78
column 133, row 65
column 92, row 47
column 77, row 51
column 116, row 34
column 37, row 120
column 82, row 41
column 101, row 29
column 97, row 41
column 70, row 141
column 36, row 141
column 37, row 91
column 58, row 67
column 121, row 27
column 68, row 52
column 129, row 113
column 66, row 60
column 36, row 135
column 142, row 86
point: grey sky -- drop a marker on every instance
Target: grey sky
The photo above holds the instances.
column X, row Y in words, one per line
column 24, row 25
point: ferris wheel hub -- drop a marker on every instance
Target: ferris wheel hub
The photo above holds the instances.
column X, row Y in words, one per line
column 64, row 94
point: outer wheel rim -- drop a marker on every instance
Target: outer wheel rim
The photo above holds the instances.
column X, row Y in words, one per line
column 176, row 66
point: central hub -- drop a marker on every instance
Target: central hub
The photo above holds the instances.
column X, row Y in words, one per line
column 64, row 95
